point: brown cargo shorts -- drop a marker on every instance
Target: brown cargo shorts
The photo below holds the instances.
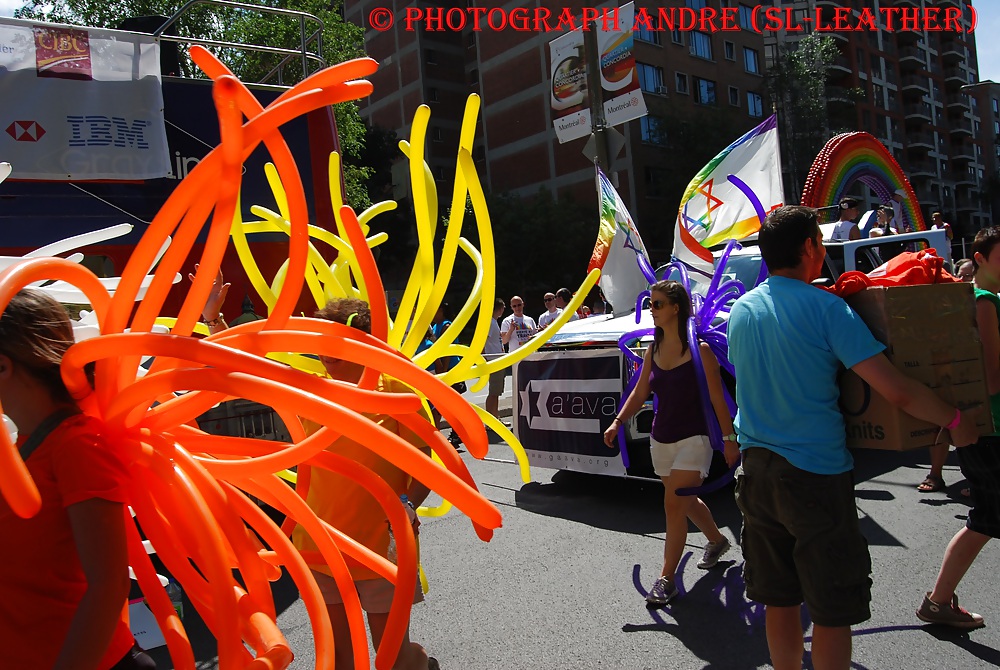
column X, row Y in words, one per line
column 801, row 540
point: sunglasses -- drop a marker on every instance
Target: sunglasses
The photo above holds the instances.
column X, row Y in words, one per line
column 549, row 299
column 520, row 304
column 658, row 304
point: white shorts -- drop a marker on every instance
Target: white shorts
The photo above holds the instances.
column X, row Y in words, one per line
column 691, row 453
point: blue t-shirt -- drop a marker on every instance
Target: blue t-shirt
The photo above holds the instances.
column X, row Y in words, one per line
column 787, row 340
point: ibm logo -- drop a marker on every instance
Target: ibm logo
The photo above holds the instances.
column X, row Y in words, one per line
column 103, row 131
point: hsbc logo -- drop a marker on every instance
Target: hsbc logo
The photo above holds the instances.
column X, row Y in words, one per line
column 25, row 131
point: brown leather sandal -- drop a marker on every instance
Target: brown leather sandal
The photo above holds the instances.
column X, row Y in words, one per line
column 931, row 484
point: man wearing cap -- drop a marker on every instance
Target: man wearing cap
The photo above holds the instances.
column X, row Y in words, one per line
column 846, row 229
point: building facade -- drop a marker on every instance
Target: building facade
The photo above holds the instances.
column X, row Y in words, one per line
column 702, row 90
column 909, row 89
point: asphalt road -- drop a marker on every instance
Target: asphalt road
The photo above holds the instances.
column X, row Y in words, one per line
column 561, row 585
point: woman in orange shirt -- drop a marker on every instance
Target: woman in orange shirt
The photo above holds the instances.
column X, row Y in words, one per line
column 64, row 572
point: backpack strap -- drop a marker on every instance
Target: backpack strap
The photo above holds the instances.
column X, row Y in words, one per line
column 45, row 428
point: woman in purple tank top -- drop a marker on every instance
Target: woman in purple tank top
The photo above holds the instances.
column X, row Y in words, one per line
column 679, row 443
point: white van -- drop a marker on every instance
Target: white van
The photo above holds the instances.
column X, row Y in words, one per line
column 568, row 392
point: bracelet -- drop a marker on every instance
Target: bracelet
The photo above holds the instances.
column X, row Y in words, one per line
column 216, row 322
column 955, row 420
column 618, row 419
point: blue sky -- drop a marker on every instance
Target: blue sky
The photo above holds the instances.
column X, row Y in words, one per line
column 987, row 30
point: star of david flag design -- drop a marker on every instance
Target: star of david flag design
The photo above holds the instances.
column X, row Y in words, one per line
column 730, row 196
column 619, row 252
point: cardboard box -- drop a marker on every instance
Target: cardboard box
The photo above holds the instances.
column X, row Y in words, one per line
column 930, row 335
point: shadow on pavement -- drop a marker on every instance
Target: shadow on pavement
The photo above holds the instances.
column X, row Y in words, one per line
column 712, row 617
column 614, row 503
column 961, row 639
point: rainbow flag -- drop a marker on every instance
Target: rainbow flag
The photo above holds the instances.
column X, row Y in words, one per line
column 728, row 198
column 619, row 252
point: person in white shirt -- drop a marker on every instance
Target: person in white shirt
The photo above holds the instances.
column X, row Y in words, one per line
column 563, row 296
column 846, row 229
column 517, row 328
column 491, row 350
column 552, row 312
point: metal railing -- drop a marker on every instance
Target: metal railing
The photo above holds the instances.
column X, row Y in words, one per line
column 307, row 40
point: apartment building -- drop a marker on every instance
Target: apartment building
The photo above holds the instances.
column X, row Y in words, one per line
column 702, row 91
column 909, row 89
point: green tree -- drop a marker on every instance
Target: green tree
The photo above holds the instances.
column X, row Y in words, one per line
column 340, row 41
column 797, row 84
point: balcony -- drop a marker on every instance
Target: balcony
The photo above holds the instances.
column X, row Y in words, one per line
column 842, row 65
column 907, row 3
column 955, row 76
column 959, row 127
column 962, row 152
column 952, row 52
column 839, row 94
column 924, row 140
column 957, row 103
column 911, row 57
column 917, row 112
column 923, row 169
column 915, row 83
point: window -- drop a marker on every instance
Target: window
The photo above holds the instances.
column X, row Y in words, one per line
column 701, row 45
column 432, row 95
column 677, row 37
column 656, row 182
column 650, row 78
column 653, row 130
column 996, row 106
column 651, row 36
column 695, row 4
column 746, row 17
column 437, row 135
column 730, row 50
column 474, row 76
column 704, row 91
column 430, row 56
column 734, row 96
column 681, row 83
column 751, row 60
column 755, row 105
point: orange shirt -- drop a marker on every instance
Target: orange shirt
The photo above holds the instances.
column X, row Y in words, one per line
column 41, row 580
column 348, row 506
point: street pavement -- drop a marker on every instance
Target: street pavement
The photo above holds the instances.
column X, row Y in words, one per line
column 561, row 585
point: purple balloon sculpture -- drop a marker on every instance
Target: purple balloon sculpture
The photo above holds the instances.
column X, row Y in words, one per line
column 705, row 310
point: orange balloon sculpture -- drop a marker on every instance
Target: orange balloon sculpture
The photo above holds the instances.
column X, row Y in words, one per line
column 189, row 490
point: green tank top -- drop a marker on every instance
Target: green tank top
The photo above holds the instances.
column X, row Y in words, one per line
column 995, row 398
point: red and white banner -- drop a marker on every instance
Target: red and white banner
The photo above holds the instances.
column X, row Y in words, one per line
column 80, row 103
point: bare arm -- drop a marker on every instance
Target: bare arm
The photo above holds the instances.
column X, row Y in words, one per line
column 635, row 399
column 855, row 233
column 505, row 335
column 715, row 393
column 989, row 333
column 212, row 312
column 914, row 398
column 99, row 533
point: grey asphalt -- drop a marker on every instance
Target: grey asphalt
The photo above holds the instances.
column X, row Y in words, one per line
column 561, row 585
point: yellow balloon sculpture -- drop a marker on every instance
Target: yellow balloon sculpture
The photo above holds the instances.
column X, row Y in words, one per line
column 189, row 490
column 429, row 277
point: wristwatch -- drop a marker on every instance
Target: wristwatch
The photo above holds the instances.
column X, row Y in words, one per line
column 732, row 437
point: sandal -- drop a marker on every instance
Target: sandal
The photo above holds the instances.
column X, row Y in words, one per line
column 931, row 484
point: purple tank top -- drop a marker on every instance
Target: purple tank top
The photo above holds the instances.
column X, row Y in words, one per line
column 679, row 413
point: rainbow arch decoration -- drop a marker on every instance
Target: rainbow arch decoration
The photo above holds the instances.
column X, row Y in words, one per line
column 859, row 156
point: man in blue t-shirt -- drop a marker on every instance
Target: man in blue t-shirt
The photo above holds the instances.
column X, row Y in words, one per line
column 801, row 540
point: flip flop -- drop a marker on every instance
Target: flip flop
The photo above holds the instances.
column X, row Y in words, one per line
column 931, row 484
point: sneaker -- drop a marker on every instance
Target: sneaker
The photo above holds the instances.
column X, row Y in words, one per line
column 948, row 615
column 713, row 552
column 663, row 591
column 455, row 440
